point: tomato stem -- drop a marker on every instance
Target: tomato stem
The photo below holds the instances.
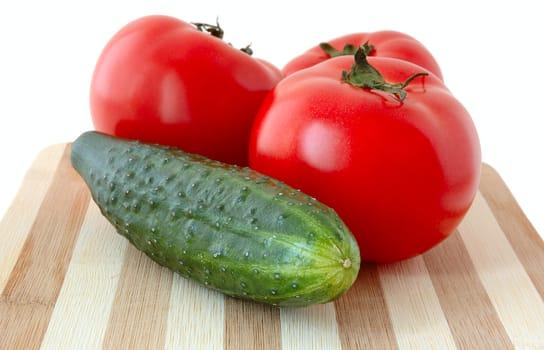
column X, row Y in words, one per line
column 364, row 75
column 218, row 32
column 247, row 49
column 214, row 30
column 347, row 50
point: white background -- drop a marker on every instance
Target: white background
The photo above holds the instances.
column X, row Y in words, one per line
column 490, row 54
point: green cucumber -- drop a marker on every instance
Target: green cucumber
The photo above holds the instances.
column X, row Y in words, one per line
column 229, row 228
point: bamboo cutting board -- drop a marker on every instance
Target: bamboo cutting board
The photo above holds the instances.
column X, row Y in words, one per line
column 68, row 281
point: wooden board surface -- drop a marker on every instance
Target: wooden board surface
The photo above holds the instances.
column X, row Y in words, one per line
column 68, row 281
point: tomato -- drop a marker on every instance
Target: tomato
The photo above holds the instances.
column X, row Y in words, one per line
column 386, row 43
column 162, row 80
column 390, row 149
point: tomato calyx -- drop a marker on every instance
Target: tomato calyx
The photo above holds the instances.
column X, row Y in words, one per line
column 347, row 50
column 215, row 30
column 362, row 74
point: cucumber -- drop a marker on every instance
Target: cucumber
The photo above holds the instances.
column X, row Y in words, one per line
column 229, row 228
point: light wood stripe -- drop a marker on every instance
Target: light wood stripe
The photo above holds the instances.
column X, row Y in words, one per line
column 523, row 238
column 196, row 317
column 510, row 289
column 361, row 313
column 466, row 306
column 20, row 215
column 86, row 298
column 140, row 308
column 312, row 327
column 416, row 315
column 251, row 326
column 36, row 278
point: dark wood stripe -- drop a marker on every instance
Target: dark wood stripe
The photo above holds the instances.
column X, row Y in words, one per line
column 251, row 326
column 471, row 316
column 361, row 313
column 140, row 309
column 31, row 291
column 521, row 234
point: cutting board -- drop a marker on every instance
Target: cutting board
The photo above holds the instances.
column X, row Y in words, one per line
column 68, row 281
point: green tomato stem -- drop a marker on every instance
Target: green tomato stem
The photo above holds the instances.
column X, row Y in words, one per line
column 213, row 30
column 347, row 50
column 362, row 74
column 218, row 32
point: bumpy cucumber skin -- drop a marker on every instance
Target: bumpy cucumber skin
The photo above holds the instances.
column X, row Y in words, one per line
column 229, row 228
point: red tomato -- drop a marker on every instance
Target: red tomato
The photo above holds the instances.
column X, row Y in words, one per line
column 400, row 173
column 386, row 43
column 162, row 80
